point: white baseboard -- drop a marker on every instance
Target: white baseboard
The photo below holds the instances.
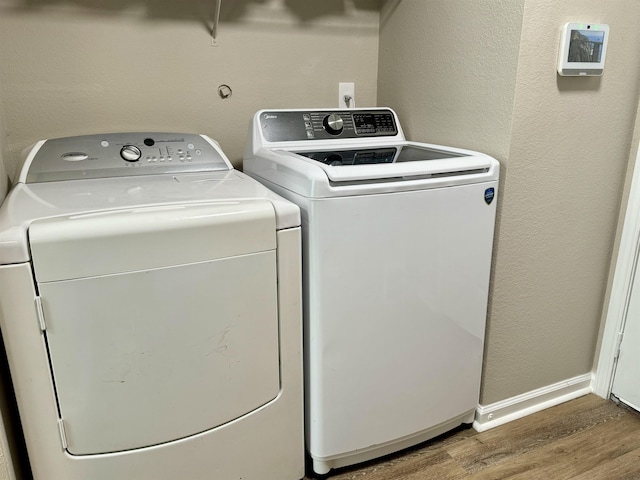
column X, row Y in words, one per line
column 499, row 413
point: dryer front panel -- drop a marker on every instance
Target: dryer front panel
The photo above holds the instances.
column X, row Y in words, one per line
column 149, row 356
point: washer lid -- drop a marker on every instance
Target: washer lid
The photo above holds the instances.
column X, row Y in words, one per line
column 369, row 169
column 379, row 155
column 407, row 161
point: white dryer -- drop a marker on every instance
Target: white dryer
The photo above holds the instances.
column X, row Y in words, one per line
column 151, row 312
column 397, row 242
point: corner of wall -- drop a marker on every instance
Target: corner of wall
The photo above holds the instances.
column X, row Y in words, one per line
column 618, row 282
column 4, row 179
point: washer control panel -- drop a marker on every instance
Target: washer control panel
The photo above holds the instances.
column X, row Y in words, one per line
column 295, row 125
column 123, row 154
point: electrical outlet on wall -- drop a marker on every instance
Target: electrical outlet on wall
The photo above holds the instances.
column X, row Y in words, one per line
column 346, row 95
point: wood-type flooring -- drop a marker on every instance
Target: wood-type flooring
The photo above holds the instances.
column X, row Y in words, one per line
column 588, row 438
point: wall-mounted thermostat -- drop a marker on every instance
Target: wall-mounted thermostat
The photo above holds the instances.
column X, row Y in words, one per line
column 583, row 48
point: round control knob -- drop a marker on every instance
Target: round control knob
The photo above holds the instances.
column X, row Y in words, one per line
column 333, row 124
column 130, row 153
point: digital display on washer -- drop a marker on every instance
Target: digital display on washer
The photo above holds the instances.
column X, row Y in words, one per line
column 374, row 123
column 368, row 156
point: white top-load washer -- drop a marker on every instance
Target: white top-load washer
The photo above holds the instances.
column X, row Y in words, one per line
column 151, row 312
column 397, row 243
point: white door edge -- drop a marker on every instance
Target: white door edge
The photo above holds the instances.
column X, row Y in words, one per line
column 620, row 289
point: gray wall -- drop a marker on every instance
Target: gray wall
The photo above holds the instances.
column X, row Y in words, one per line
column 564, row 144
column 570, row 147
column 6, row 465
column 635, row 143
column 89, row 66
column 4, row 180
column 449, row 69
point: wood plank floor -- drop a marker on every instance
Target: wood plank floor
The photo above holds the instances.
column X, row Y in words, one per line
column 585, row 439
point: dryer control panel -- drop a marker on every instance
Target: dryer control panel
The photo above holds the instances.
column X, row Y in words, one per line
column 295, row 125
column 121, row 155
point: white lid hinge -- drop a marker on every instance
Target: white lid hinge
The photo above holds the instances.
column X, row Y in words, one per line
column 618, row 343
column 40, row 313
column 63, row 435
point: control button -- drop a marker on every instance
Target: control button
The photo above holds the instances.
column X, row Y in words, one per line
column 333, row 124
column 169, row 159
column 198, row 152
column 75, row 156
column 310, row 134
column 149, row 142
column 189, row 158
column 130, row 153
column 104, row 143
column 162, row 159
column 306, row 117
column 190, row 146
column 180, row 150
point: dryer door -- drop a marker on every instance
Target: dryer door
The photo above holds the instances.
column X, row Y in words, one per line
column 161, row 323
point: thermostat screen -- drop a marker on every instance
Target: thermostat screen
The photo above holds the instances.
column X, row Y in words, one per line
column 585, row 46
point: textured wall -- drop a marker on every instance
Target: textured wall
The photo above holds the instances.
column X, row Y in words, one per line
column 564, row 147
column 449, row 70
column 601, row 386
column 4, row 180
column 87, row 66
column 565, row 174
column 6, row 466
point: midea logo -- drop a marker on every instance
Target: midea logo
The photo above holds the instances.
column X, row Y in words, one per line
column 267, row 116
